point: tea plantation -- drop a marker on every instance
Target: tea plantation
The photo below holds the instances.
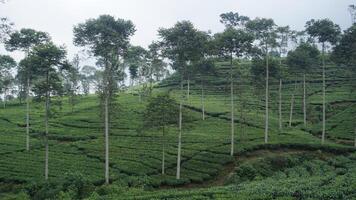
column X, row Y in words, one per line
column 293, row 165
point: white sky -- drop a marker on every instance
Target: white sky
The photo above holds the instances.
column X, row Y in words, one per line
column 57, row 17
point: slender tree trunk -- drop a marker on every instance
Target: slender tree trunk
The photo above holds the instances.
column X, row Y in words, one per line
column 232, row 109
column 72, row 101
column 46, row 126
column 280, row 105
column 5, row 92
column 139, row 90
column 304, row 103
column 355, row 138
column 323, row 60
column 266, row 117
column 180, row 132
column 106, row 139
column 20, row 89
column 291, row 106
column 202, row 100
column 163, row 149
column 28, row 115
column 151, row 86
column 242, row 119
column 188, row 88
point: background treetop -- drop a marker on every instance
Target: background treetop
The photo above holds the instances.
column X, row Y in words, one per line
column 161, row 111
column 303, row 58
column 48, row 55
column 324, row 30
column 5, row 28
column 232, row 19
column 264, row 30
column 25, row 39
column 7, row 62
column 105, row 35
column 183, row 42
column 233, row 42
column 345, row 51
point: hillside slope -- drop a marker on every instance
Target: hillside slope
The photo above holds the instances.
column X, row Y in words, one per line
column 77, row 142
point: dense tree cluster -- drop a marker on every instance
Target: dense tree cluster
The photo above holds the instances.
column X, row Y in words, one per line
column 45, row 74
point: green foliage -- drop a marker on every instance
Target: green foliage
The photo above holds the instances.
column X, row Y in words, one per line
column 304, row 58
column 183, row 43
column 87, row 77
column 262, row 171
column 233, row 42
column 324, row 30
column 6, row 62
column 76, row 143
column 48, row 59
column 71, row 186
column 5, row 28
column 232, row 19
column 25, row 39
column 264, row 30
column 161, row 111
column 284, row 36
column 108, row 39
column 258, row 68
column 345, row 51
column 6, row 79
column 156, row 61
column 105, row 35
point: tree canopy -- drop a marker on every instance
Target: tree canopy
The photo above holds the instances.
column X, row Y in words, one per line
column 25, row 39
column 264, row 30
column 323, row 30
column 345, row 51
column 182, row 43
column 105, row 35
column 161, row 111
column 233, row 42
column 232, row 19
column 303, row 58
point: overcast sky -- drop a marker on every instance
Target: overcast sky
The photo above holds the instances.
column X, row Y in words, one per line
column 57, row 17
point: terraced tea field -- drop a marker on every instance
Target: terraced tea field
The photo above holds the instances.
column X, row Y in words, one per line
column 77, row 143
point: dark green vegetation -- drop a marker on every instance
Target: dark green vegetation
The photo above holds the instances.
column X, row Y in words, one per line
column 243, row 116
column 76, row 145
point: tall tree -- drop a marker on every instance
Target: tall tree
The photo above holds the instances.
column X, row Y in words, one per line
column 71, row 85
column 161, row 112
column 6, row 64
column 233, row 43
column 136, row 58
column 265, row 31
column 183, row 44
column 233, row 20
column 326, row 32
column 292, row 104
column 49, row 60
column 7, row 83
column 5, row 28
column 345, row 52
column 204, row 68
column 87, row 77
column 156, row 61
column 133, row 71
column 24, row 40
column 284, row 35
column 108, row 39
column 302, row 60
column 352, row 10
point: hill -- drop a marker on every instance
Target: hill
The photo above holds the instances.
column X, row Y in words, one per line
column 293, row 165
